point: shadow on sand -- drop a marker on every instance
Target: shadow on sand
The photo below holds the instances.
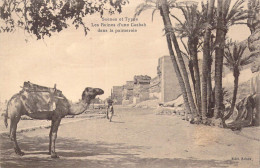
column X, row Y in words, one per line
column 117, row 122
column 77, row 153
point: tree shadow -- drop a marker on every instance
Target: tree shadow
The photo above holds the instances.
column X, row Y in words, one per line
column 77, row 153
column 37, row 153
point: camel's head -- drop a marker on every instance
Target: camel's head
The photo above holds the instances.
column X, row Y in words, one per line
column 91, row 93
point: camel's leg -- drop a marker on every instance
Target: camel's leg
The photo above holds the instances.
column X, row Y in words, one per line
column 13, row 126
column 55, row 126
column 50, row 137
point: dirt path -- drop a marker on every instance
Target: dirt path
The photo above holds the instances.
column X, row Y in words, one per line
column 135, row 138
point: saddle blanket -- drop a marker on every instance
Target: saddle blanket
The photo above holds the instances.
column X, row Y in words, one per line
column 38, row 101
column 38, row 98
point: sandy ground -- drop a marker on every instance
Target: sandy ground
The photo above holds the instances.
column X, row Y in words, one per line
column 135, row 138
column 29, row 124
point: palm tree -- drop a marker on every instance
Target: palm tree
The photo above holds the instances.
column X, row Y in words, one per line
column 219, row 52
column 206, row 58
column 192, row 29
column 210, row 97
column 209, row 25
column 163, row 6
column 154, row 4
column 226, row 17
column 235, row 61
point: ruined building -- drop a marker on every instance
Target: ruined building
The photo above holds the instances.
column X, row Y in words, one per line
column 141, row 88
column 128, row 90
column 164, row 86
column 117, row 94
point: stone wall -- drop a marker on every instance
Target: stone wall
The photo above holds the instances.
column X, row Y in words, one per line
column 170, row 89
column 128, row 93
column 141, row 92
column 117, row 94
column 155, row 88
column 164, row 86
column 141, row 88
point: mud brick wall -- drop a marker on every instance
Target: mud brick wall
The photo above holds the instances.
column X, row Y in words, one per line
column 117, row 94
column 155, row 88
column 170, row 88
column 128, row 93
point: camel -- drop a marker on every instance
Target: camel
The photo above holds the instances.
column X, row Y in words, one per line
column 16, row 108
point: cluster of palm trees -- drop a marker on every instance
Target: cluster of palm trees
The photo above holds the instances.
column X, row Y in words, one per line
column 203, row 30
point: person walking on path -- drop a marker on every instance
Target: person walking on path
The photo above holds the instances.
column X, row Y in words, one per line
column 110, row 109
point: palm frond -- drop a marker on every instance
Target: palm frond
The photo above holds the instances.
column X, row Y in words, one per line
column 153, row 13
column 194, row 22
column 246, row 61
column 249, row 59
column 229, row 58
column 235, row 14
column 176, row 19
column 181, row 30
column 184, row 45
column 142, row 7
column 254, row 54
column 172, row 3
column 229, row 66
column 235, row 59
column 186, row 55
column 226, row 6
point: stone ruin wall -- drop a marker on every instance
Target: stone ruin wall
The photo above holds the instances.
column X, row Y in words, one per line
column 155, row 85
column 117, row 95
column 128, row 93
column 141, row 88
column 163, row 87
column 155, row 88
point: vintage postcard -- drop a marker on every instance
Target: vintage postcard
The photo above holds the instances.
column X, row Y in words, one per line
column 130, row 83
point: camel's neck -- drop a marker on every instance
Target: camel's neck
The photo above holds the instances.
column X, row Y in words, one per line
column 79, row 108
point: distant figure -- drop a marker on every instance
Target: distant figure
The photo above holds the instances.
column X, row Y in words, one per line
column 110, row 109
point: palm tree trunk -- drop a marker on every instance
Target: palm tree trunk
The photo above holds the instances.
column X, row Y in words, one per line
column 210, row 103
column 191, row 69
column 176, row 67
column 220, row 42
column 169, row 29
column 236, row 77
column 185, row 74
column 206, row 55
column 193, row 44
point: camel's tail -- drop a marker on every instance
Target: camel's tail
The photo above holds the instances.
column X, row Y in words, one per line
column 6, row 111
column 6, row 114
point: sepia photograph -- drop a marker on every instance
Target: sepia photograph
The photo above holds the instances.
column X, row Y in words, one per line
column 130, row 83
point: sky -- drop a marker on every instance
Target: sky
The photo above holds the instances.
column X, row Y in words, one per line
column 74, row 61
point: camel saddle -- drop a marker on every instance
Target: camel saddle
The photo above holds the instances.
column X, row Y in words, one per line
column 38, row 98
